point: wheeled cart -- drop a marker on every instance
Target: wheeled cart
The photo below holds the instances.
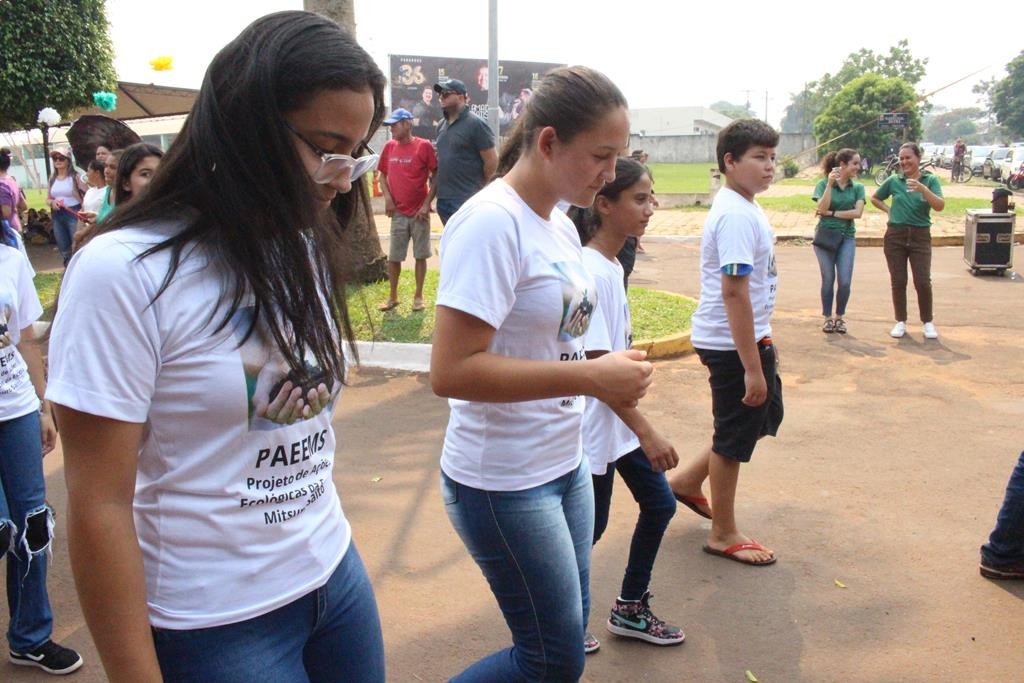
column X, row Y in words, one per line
column 988, row 240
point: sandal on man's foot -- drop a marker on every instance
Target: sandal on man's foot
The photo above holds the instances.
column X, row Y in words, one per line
column 695, row 503
column 387, row 305
column 417, row 305
column 730, row 553
column 829, row 327
column 840, row 326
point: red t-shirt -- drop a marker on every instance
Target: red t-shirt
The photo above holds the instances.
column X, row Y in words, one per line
column 407, row 168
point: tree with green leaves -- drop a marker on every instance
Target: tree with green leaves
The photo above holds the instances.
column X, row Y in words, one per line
column 854, row 111
column 733, row 111
column 806, row 105
column 1008, row 98
column 52, row 54
column 947, row 126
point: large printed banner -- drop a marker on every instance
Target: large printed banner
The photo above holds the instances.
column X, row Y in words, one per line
column 413, row 78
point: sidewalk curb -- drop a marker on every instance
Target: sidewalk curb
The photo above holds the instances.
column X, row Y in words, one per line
column 670, row 346
column 876, row 241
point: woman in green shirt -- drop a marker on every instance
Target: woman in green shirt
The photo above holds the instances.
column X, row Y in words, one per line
column 915, row 194
column 840, row 201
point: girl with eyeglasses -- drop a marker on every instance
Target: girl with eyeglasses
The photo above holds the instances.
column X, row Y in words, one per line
column 196, row 360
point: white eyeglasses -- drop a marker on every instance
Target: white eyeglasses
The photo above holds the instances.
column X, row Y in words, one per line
column 333, row 166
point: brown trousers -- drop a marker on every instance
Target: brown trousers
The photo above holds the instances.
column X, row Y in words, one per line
column 905, row 243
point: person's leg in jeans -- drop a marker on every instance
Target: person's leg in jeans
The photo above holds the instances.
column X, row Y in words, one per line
column 603, row 486
column 329, row 634
column 657, row 506
column 347, row 636
column 921, row 266
column 827, row 266
column 26, row 528
column 1003, row 556
column 533, row 547
column 64, row 232
column 844, row 272
column 447, row 207
column 896, row 249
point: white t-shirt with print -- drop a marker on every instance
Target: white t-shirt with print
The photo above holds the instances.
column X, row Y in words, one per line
column 19, row 308
column 606, row 438
column 736, row 232
column 236, row 515
column 524, row 276
column 94, row 199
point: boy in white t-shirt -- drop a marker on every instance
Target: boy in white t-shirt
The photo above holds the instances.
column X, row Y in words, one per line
column 732, row 335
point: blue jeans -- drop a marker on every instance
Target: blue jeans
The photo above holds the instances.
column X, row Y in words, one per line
column 446, row 207
column 64, row 224
column 652, row 493
column 833, row 263
column 330, row 634
column 26, row 529
column 533, row 547
column 1005, row 546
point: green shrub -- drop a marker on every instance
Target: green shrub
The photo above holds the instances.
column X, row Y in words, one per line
column 790, row 169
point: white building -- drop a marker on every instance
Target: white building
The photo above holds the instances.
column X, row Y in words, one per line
column 676, row 121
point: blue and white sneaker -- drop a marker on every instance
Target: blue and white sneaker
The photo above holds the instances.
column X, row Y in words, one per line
column 50, row 657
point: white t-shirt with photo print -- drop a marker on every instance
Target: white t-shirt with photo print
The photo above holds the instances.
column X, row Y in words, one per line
column 19, row 308
column 523, row 275
column 606, row 438
column 737, row 236
column 236, row 515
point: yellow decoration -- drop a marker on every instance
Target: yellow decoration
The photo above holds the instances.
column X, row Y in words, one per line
column 751, row 677
column 840, row 584
column 161, row 63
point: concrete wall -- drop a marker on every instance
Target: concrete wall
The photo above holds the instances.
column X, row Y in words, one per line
column 694, row 149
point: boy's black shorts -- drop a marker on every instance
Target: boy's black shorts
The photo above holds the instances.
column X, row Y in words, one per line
column 739, row 426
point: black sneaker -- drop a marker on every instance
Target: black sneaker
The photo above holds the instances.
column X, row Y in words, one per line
column 50, row 657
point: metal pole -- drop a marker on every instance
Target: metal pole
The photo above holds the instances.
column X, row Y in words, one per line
column 492, row 76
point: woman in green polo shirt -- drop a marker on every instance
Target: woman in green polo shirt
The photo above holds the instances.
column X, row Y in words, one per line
column 840, row 201
column 915, row 194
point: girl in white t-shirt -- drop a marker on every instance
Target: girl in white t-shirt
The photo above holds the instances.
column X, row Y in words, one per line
column 195, row 365
column 513, row 305
column 620, row 438
column 26, row 435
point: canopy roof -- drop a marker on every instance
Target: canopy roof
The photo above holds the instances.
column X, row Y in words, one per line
column 141, row 101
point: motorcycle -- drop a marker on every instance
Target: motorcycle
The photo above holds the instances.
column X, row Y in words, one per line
column 1015, row 181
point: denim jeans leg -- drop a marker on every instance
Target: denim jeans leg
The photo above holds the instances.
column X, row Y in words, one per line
column 347, row 637
column 844, row 273
column 447, row 207
column 329, row 634
column 28, row 522
column 827, row 266
column 533, row 547
column 1006, row 544
column 603, row 485
column 652, row 493
column 64, row 231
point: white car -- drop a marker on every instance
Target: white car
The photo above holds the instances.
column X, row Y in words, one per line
column 1010, row 162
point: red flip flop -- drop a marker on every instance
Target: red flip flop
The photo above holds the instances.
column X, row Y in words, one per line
column 694, row 503
column 730, row 553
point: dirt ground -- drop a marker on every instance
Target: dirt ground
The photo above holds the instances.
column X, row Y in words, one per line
column 886, row 476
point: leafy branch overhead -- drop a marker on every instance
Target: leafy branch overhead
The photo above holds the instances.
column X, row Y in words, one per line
column 52, row 54
column 808, row 104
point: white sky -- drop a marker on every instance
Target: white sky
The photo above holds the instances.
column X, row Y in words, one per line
column 661, row 53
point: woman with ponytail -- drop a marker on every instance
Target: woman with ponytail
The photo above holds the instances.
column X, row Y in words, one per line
column 840, row 201
column 513, row 307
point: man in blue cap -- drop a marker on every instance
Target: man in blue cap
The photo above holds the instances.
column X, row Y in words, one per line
column 407, row 164
column 466, row 154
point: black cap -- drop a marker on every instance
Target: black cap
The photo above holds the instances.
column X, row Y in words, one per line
column 453, row 84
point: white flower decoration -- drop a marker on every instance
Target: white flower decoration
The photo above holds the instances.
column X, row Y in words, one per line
column 48, row 116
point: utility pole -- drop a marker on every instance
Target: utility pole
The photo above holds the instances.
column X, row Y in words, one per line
column 493, row 116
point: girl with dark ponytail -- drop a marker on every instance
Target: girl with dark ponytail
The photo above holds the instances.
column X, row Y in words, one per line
column 513, row 306
column 616, row 437
column 840, row 201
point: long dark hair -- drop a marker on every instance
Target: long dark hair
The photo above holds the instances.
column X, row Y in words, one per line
column 222, row 180
column 588, row 220
column 130, row 158
column 5, row 158
column 570, row 99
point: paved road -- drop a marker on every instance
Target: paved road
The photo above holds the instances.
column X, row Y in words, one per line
column 886, row 475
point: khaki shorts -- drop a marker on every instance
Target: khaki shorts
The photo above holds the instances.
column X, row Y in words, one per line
column 402, row 229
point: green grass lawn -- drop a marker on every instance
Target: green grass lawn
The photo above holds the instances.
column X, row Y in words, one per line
column 676, row 178
column 46, row 287
column 955, row 206
column 36, row 199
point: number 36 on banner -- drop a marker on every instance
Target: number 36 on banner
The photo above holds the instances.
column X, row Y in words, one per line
column 411, row 75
